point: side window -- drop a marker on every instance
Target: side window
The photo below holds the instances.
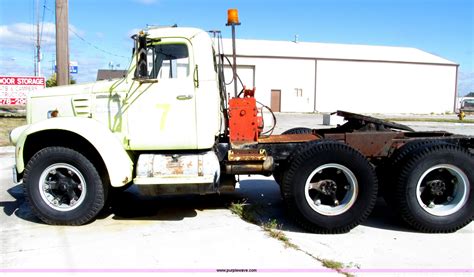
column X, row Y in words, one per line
column 168, row 61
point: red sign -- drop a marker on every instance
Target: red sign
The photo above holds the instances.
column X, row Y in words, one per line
column 14, row 90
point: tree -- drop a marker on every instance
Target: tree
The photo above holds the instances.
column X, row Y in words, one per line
column 51, row 82
column 470, row 94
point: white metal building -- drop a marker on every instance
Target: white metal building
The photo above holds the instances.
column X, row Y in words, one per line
column 306, row 77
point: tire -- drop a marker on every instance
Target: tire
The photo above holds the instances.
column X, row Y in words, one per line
column 297, row 130
column 278, row 174
column 279, row 171
column 63, row 187
column 335, row 167
column 435, row 189
column 387, row 173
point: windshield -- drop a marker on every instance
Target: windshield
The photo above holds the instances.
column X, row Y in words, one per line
column 167, row 61
column 160, row 60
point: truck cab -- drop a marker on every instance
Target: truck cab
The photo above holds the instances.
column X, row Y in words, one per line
column 167, row 110
column 173, row 105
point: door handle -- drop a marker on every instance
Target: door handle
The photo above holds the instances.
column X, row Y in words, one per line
column 184, row 97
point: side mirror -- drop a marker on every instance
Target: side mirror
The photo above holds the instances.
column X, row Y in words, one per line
column 142, row 63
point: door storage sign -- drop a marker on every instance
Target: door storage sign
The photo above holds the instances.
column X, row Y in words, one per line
column 15, row 89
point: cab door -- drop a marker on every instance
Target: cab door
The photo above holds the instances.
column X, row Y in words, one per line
column 161, row 111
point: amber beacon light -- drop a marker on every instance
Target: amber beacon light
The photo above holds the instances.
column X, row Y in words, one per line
column 233, row 20
column 233, row 17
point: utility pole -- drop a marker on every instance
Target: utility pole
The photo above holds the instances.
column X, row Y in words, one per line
column 38, row 41
column 62, row 43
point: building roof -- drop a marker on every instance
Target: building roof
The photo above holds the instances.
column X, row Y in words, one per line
column 330, row 51
column 107, row 74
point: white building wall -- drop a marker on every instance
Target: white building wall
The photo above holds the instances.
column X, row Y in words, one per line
column 287, row 75
column 357, row 78
column 379, row 87
column 246, row 74
column 355, row 86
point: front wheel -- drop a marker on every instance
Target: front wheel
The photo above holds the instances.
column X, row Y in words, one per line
column 329, row 187
column 63, row 187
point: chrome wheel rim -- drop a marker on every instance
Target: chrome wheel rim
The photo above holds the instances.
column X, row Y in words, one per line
column 331, row 189
column 62, row 187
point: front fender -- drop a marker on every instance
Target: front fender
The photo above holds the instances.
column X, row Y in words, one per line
column 118, row 163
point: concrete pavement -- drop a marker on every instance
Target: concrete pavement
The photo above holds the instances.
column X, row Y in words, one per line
column 182, row 233
column 200, row 233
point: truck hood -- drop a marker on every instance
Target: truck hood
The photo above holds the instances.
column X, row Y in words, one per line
column 73, row 100
column 100, row 86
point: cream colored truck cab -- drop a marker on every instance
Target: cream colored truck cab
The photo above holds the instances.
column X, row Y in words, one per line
column 157, row 127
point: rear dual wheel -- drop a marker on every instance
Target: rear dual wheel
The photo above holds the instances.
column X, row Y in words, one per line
column 434, row 188
column 389, row 172
column 329, row 187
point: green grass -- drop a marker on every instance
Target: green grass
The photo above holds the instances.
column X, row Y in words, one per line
column 337, row 266
column 6, row 125
column 245, row 211
column 272, row 228
column 440, row 120
column 249, row 213
column 332, row 264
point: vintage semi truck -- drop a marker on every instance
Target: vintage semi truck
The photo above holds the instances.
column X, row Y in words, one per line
column 170, row 127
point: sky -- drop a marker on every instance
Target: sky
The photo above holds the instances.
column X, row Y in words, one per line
column 100, row 30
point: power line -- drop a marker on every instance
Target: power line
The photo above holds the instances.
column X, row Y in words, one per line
column 87, row 42
column 47, row 18
column 96, row 47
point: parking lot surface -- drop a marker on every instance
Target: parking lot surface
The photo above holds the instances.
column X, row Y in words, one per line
column 200, row 234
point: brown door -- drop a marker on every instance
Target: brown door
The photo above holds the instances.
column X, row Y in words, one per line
column 275, row 103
